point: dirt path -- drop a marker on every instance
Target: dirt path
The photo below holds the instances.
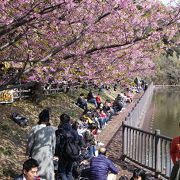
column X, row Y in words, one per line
column 111, row 136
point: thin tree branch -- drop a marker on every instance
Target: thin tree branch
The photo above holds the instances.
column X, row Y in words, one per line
column 22, row 21
column 11, row 42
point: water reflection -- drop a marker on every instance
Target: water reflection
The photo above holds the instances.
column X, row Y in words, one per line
column 166, row 103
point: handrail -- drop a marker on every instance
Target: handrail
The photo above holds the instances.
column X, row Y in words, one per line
column 147, row 149
column 136, row 117
column 167, row 85
column 150, row 133
column 48, row 89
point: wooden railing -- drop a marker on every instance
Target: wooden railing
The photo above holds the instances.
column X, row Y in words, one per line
column 149, row 150
column 168, row 85
column 48, row 89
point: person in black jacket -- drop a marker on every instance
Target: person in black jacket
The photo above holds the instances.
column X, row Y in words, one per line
column 91, row 98
column 65, row 163
column 81, row 102
column 30, row 168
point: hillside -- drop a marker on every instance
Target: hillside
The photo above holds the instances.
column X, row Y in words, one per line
column 13, row 143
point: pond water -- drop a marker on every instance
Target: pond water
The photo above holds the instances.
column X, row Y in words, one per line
column 166, row 107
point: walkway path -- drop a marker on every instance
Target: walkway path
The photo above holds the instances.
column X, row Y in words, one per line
column 111, row 136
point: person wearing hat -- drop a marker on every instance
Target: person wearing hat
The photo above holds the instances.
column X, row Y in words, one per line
column 41, row 146
column 100, row 166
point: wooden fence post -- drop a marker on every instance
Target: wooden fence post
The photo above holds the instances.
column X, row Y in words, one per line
column 124, row 141
column 157, row 153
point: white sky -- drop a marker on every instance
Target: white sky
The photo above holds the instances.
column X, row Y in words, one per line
column 167, row 1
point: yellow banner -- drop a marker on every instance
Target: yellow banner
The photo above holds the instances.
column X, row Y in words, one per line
column 6, row 96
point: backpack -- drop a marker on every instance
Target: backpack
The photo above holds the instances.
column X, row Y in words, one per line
column 19, row 119
column 66, row 146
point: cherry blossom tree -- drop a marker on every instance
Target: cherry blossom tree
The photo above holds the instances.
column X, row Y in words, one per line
column 101, row 41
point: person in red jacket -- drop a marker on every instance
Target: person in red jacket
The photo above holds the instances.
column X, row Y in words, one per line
column 175, row 149
column 98, row 100
column 175, row 156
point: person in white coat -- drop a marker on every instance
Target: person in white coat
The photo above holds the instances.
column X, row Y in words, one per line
column 41, row 146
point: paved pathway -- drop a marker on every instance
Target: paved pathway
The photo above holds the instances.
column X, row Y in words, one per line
column 111, row 136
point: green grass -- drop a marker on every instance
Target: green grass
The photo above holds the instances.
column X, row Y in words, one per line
column 8, row 172
column 7, row 151
column 4, row 127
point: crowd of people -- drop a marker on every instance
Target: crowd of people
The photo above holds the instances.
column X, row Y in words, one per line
column 95, row 119
column 57, row 153
column 71, row 151
column 45, row 144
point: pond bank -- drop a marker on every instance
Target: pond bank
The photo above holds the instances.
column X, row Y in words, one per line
column 111, row 136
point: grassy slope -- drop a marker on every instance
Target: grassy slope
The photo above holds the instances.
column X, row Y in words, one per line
column 13, row 137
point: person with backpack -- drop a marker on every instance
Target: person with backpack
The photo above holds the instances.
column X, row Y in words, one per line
column 67, row 148
column 41, row 146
